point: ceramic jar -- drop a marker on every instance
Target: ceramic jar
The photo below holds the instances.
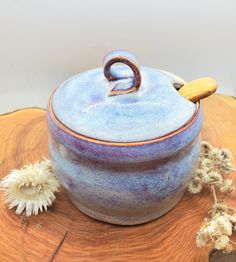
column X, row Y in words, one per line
column 123, row 142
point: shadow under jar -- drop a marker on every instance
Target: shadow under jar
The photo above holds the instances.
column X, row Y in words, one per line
column 123, row 142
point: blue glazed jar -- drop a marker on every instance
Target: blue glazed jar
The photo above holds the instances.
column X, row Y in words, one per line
column 123, row 142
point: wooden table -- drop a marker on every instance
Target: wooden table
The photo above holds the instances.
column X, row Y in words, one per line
column 65, row 234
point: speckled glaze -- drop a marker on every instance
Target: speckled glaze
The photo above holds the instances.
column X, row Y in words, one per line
column 125, row 183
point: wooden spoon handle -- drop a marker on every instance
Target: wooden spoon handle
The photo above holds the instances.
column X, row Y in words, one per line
column 198, row 89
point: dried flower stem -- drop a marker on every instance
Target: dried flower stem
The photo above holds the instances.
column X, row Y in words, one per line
column 217, row 228
column 214, row 194
column 232, row 242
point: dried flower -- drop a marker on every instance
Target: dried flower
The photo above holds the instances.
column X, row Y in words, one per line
column 202, row 240
column 30, row 188
column 226, row 186
column 226, row 155
column 224, row 226
column 231, row 218
column 214, row 163
column 229, row 167
column 223, row 243
column 215, row 154
column 206, row 147
column 194, row 187
column 215, row 177
column 199, row 173
column 206, row 164
column 217, row 228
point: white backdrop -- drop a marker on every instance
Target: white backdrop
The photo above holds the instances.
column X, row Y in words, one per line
column 42, row 42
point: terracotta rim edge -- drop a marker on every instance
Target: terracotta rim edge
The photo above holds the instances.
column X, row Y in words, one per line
column 113, row 143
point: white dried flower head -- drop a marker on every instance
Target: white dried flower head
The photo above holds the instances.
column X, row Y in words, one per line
column 224, row 226
column 207, row 165
column 200, row 173
column 216, row 154
column 213, row 164
column 226, row 186
column 231, row 218
column 215, row 177
column 206, row 179
column 226, row 155
column 215, row 229
column 229, row 166
column 201, row 158
column 202, row 240
column 222, row 242
column 194, row 187
column 197, row 179
column 228, row 248
column 204, row 235
column 209, row 227
column 31, row 188
column 206, row 147
column 221, row 208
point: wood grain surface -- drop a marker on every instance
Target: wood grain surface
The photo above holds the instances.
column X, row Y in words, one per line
column 198, row 89
column 65, row 234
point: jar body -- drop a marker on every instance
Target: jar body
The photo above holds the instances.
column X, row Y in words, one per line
column 125, row 185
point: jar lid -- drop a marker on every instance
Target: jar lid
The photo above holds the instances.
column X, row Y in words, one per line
column 121, row 102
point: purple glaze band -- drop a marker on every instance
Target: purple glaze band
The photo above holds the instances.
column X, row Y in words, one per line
column 127, row 154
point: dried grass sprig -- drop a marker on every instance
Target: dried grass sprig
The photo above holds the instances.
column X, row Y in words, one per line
column 214, row 164
column 218, row 226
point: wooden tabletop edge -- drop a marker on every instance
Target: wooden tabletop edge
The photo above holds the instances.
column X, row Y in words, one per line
column 23, row 109
column 225, row 95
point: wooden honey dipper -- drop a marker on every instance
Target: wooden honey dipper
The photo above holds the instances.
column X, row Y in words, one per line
column 197, row 89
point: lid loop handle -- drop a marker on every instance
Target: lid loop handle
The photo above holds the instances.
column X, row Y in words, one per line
column 122, row 56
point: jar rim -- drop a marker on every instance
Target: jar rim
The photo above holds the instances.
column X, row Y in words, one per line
column 114, row 143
